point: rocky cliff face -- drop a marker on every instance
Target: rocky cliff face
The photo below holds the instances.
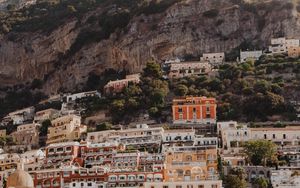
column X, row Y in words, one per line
column 189, row 27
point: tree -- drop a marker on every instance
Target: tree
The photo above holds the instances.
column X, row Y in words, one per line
column 259, row 152
column 152, row 70
column 154, row 112
column 44, row 128
column 103, row 126
column 235, row 179
column 181, row 90
column 260, row 182
column 117, row 109
column 262, row 86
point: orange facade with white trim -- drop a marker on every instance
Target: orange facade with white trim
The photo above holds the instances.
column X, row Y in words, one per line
column 194, row 110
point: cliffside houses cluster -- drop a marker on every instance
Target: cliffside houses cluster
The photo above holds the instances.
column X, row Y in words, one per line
column 177, row 68
column 141, row 156
column 184, row 154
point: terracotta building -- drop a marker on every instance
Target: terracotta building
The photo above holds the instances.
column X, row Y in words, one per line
column 294, row 51
column 193, row 110
column 118, row 85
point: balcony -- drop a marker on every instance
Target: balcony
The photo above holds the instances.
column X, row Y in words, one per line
column 188, row 163
column 98, row 153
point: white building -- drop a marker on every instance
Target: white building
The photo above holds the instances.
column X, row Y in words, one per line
column 213, row 58
column 141, row 135
column 33, row 160
column 185, row 184
column 20, row 116
column 90, row 184
column 250, row 55
column 285, row 178
column 234, row 134
column 281, row 45
column 184, row 69
column 200, row 140
column 73, row 97
column 180, row 135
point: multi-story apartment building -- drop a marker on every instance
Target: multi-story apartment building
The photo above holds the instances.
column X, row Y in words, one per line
column 285, row 178
column 190, row 163
column 126, row 161
column 70, row 177
column 294, row 51
column 178, row 135
column 63, row 154
column 281, row 45
column 151, row 162
column 250, row 55
column 234, row 135
column 65, row 128
column 9, row 161
column 140, row 137
column 118, row 85
column 99, row 154
column 185, row 184
column 201, row 140
column 184, row 69
column 20, row 116
column 27, row 134
column 72, row 97
column 194, row 110
column 43, row 115
column 33, row 160
column 134, row 179
column 213, row 58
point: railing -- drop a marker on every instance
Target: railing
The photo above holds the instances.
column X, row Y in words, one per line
column 189, row 163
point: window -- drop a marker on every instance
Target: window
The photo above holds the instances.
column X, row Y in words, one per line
column 180, row 110
column 194, row 110
column 207, row 109
column 200, row 186
column 274, row 136
column 74, row 184
column 89, row 184
column 265, row 136
column 189, row 158
column 165, row 186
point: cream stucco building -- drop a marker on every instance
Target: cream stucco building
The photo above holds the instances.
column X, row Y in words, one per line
column 65, row 128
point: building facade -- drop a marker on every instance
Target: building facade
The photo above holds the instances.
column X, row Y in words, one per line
column 194, row 110
column 294, row 51
column 190, row 163
column 65, row 128
column 213, row 58
column 250, row 55
column 118, row 85
column 184, row 69
column 27, row 134
column 43, row 115
column 281, row 45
